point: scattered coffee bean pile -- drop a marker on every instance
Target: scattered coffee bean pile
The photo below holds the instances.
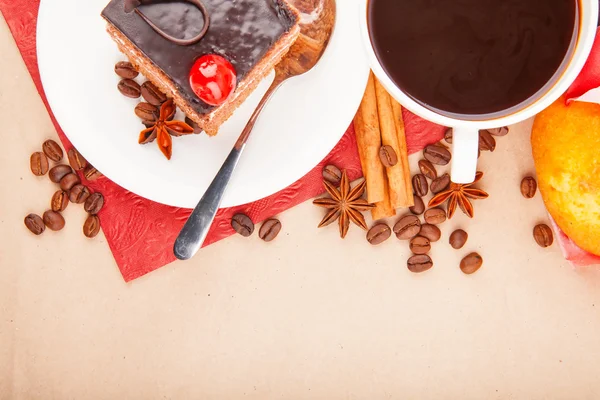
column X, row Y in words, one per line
column 542, row 233
column 420, row 235
column 243, row 225
column 155, row 110
column 71, row 189
column 149, row 109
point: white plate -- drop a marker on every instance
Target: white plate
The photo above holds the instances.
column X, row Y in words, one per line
column 303, row 122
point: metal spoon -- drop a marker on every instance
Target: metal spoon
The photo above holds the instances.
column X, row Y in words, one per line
column 317, row 19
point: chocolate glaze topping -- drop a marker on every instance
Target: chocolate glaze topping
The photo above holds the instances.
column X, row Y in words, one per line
column 132, row 5
column 242, row 31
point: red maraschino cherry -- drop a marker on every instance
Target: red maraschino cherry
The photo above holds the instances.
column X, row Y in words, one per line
column 213, row 79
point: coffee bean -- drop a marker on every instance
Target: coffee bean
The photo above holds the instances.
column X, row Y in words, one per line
column 435, row 216
column 427, row 169
column 332, row 174
column 60, row 201
column 388, row 156
column 486, row 141
column 528, row 187
column 471, row 263
column 76, row 160
column 94, row 203
column 242, row 224
column 35, row 224
column 126, row 70
column 147, row 112
column 420, row 185
column 378, row 234
column 152, row 94
column 129, row 88
column 79, row 194
column 419, row 263
column 431, row 232
column 38, row 162
column 440, row 184
column 407, row 227
column 437, row 155
column 54, row 220
column 458, row 239
column 91, row 227
column 420, row 245
column 68, row 181
column 193, row 124
column 269, row 230
column 58, row 172
column 52, row 150
column 448, row 135
column 91, row 173
column 419, row 207
column 543, row 235
column 498, row 131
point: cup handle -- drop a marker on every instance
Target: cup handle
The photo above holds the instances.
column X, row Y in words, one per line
column 465, row 151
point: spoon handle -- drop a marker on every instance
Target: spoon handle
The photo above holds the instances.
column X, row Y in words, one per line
column 196, row 228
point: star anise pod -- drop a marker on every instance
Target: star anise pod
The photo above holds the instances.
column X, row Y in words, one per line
column 460, row 194
column 163, row 128
column 344, row 205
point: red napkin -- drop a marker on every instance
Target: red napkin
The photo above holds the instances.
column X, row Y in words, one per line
column 589, row 78
column 141, row 233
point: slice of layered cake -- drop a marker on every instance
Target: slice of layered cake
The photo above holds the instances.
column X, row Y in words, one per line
column 208, row 55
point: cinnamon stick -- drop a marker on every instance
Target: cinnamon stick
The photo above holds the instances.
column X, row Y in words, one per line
column 402, row 149
column 368, row 139
column 383, row 209
column 399, row 196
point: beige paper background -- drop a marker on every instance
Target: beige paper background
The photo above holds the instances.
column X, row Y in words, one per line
column 308, row 316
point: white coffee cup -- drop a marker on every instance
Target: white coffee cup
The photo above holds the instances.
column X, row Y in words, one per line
column 465, row 140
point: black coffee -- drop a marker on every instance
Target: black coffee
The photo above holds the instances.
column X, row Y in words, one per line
column 471, row 56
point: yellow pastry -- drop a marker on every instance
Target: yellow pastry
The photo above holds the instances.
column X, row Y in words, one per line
column 566, row 149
